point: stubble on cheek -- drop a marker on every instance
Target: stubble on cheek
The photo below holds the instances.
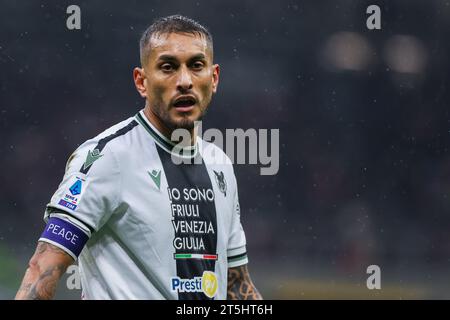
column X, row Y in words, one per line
column 207, row 97
column 156, row 102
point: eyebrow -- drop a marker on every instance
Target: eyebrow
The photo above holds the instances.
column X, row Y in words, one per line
column 199, row 56
column 168, row 57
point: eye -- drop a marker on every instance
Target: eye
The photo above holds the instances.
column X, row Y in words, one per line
column 167, row 67
column 197, row 65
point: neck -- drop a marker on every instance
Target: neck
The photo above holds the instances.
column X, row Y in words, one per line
column 163, row 128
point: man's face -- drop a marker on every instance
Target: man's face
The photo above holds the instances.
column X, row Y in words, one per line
column 179, row 79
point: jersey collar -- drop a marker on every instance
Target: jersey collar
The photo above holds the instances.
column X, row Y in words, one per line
column 162, row 141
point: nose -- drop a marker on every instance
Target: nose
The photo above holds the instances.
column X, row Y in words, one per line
column 184, row 80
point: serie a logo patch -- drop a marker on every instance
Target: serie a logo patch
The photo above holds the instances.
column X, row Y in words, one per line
column 73, row 194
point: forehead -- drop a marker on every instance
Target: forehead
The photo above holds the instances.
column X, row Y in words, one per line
column 178, row 44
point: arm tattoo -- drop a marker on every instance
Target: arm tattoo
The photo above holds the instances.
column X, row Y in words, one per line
column 44, row 286
column 240, row 286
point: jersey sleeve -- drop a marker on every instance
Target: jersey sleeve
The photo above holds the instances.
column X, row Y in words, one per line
column 237, row 252
column 85, row 199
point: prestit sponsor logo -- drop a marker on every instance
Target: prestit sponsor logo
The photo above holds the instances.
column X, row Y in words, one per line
column 207, row 284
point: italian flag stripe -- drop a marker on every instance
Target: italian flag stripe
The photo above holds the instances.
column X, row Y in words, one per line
column 195, row 256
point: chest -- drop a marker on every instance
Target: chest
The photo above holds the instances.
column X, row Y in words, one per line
column 177, row 209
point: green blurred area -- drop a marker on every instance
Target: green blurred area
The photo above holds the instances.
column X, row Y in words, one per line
column 301, row 281
column 10, row 273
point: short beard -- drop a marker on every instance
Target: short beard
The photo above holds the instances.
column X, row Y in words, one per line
column 184, row 123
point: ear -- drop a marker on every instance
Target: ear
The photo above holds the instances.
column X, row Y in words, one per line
column 215, row 77
column 140, row 81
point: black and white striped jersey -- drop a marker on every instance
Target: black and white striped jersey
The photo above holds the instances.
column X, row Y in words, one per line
column 144, row 226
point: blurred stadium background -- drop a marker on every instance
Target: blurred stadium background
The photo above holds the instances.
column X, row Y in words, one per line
column 364, row 131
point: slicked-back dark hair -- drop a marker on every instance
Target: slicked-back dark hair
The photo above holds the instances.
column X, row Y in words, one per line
column 171, row 24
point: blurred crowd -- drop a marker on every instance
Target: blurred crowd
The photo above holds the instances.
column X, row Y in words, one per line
column 363, row 116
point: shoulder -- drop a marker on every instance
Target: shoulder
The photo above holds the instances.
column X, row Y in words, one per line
column 113, row 134
column 103, row 146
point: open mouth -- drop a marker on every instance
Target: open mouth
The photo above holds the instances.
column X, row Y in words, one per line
column 184, row 103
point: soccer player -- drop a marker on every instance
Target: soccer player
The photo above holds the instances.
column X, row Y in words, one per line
column 141, row 224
